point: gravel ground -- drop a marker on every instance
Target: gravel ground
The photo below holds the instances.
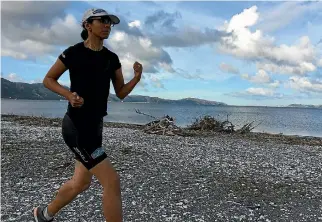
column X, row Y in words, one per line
column 164, row 178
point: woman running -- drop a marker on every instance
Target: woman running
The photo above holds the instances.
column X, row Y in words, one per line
column 91, row 67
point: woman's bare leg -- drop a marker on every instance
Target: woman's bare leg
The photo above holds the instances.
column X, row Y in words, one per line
column 109, row 179
column 80, row 182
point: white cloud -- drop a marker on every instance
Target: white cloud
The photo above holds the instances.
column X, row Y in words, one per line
column 30, row 41
column 285, row 13
column 166, row 67
column 162, row 20
column 228, row 68
column 127, row 66
column 188, row 37
column 31, row 34
column 131, row 48
column 26, row 13
column 33, row 29
column 274, row 84
column 301, row 69
column 24, row 49
column 320, row 63
column 35, row 81
column 135, row 23
column 304, row 84
column 157, row 82
column 257, row 94
column 13, row 77
column 260, row 77
column 260, row 91
column 12, row 53
column 299, row 58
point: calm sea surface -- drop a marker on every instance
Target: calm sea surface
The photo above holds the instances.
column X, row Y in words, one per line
column 290, row 121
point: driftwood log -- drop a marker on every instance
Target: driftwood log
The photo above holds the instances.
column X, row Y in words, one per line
column 208, row 123
column 248, row 127
column 165, row 126
column 162, row 126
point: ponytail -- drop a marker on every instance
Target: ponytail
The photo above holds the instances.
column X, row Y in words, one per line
column 84, row 34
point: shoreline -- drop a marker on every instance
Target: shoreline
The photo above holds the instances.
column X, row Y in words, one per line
column 257, row 136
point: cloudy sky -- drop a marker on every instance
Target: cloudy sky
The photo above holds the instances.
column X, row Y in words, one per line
column 240, row 53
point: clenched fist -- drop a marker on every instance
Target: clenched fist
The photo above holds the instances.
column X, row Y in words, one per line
column 138, row 68
column 75, row 100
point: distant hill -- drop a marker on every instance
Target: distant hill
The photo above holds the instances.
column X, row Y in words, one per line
column 305, row 106
column 37, row 91
column 19, row 90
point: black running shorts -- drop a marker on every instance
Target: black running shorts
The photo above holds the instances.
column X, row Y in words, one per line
column 84, row 138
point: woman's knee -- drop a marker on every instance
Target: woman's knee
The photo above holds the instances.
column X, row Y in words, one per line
column 111, row 180
column 106, row 175
column 81, row 185
column 82, row 178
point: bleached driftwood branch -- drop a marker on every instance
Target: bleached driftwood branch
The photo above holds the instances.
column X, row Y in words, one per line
column 162, row 126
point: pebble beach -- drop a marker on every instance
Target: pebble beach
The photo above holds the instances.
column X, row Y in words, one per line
column 213, row 177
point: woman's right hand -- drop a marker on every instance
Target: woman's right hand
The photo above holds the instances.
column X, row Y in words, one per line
column 75, row 100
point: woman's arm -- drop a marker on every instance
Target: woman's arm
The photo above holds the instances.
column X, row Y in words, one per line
column 121, row 89
column 51, row 82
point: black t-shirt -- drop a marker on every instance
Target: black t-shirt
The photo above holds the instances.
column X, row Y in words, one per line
column 90, row 75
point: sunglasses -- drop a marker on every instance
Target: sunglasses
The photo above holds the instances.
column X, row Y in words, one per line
column 103, row 20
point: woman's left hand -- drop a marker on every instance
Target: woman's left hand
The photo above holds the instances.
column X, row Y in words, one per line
column 138, row 68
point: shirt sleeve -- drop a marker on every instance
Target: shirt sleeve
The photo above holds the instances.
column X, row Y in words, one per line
column 66, row 57
column 117, row 63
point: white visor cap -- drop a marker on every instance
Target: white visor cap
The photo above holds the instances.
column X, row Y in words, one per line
column 97, row 12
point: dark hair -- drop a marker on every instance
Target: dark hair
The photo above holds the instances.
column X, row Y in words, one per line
column 84, row 34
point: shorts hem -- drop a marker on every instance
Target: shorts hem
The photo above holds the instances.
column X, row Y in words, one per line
column 93, row 163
